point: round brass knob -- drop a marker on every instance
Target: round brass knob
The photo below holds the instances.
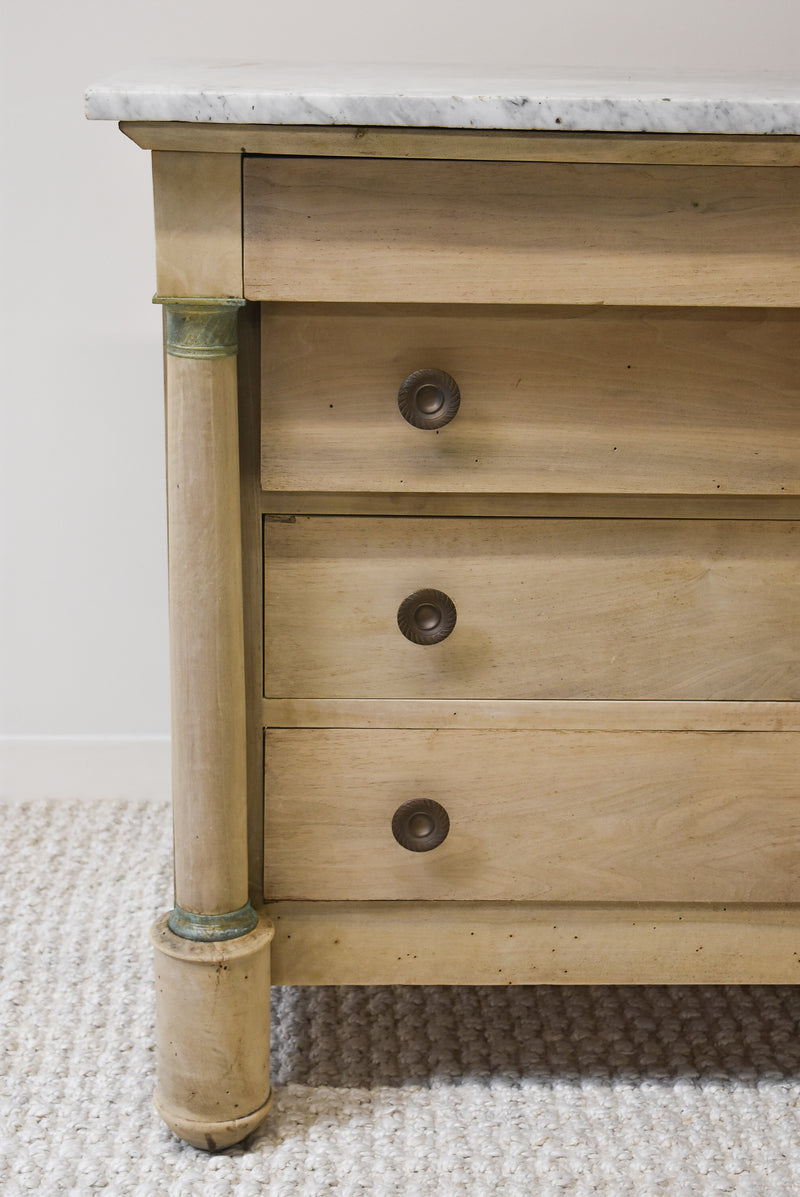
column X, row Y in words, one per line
column 426, row 616
column 429, row 398
column 420, row 824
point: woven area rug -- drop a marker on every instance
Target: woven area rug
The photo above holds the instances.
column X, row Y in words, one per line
column 534, row 1091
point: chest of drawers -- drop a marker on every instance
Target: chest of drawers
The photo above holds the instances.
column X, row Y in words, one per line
column 483, row 476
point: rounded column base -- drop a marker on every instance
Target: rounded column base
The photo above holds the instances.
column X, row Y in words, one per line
column 210, row 1136
column 212, row 1034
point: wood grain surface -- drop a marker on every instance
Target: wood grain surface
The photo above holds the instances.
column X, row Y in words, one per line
column 531, row 715
column 198, row 220
column 553, row 400
column 546, row 609
column 533, row 943
column 548, row 816
column 209, row 766
column 520, row 232
column 350, row 141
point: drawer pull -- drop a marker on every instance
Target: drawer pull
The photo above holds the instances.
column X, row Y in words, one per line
column 426, row 616
column 429, row 398
column 420, row 824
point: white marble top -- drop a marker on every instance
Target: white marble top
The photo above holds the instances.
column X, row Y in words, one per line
column 420, row 96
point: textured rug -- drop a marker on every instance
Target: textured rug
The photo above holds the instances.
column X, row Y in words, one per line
column 379, row 1091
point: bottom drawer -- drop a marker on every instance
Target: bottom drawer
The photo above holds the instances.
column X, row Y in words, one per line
column 537, row 816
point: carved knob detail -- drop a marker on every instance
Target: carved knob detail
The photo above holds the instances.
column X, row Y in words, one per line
column 429, row 398
column 420, row 825
column 426, row 616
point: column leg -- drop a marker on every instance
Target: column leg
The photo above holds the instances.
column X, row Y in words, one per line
column 212, row 950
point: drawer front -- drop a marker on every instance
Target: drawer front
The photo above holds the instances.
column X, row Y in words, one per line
column 520, row 232
column 555, row 816
column 545, row 608
column 554, row 401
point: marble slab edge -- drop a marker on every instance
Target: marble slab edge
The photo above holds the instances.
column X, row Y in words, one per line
column 619, row 109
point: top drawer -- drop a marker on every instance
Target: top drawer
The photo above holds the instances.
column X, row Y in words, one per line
column 520, row 232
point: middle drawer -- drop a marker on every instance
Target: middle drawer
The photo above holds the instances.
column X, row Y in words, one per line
column 544, row 608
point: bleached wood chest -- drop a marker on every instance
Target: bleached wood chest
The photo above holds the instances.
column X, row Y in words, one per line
column 483, row 476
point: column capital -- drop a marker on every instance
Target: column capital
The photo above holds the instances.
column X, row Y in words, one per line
column 201, row 328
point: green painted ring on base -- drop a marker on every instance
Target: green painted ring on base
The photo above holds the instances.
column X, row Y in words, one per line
column 212, row 928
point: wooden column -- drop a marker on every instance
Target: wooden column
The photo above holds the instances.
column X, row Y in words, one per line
column 206, row 632
column 212, row 949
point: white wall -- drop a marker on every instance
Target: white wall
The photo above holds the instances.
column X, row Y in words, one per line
column 83, row 642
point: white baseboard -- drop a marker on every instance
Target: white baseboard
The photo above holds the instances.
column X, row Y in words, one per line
column 90, row 767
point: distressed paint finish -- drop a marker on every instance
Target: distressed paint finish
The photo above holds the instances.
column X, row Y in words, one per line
column 212, row 1027
column 201, row 328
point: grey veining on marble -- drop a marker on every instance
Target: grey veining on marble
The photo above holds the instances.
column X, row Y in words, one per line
column 419, row 96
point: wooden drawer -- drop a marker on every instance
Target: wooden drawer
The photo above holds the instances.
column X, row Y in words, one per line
column 520, row 232
column 554, row 401
column 551, row 816
column 546, row 608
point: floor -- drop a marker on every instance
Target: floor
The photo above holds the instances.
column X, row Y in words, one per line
column 379, row 1091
